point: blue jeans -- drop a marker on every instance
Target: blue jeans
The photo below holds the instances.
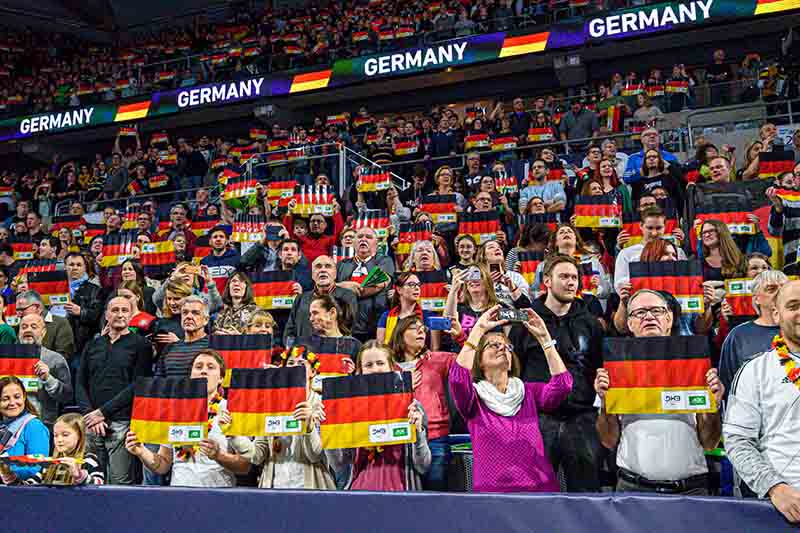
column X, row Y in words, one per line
column 436, row 478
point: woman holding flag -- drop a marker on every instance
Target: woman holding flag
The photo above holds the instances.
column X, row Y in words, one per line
column 21, row 430
column 405, row 303
column 429, row 378
column 501, row 411
column 295, row 462
column 212, row 463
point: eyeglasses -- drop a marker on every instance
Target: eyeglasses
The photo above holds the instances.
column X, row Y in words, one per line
column 496, row 346
column 412, row 285
column 641, row 313
column 708, row 232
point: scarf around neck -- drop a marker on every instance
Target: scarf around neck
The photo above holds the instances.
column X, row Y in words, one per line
column 502, row 403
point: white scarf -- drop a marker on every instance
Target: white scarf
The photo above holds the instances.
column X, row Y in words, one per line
column 503, row 403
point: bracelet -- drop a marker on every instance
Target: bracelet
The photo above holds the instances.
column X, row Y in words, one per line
column 548, row 344
column 468, row 344
column 156, row 462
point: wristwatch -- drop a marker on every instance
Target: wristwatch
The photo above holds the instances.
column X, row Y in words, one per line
column 548, row 344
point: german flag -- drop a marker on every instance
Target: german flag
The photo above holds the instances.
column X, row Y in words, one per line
column 788, row 195
column 10, row 315
column 239, row 190
column 313, row 199
column 370, row 138
column 433, row 290
column 166, row 75
column 386, row 34
column 658, row 375
column 614, row 118
column 117, row 248
column 39, row 265
column 202, row 224
column 261, row 401
column 258, row 134
column 158, row 181
column 360, row 36
column 251, row 51
column 506, row 184
column 377, row 219
column 632, row 224
column 478, row 140
column 536, row 135
column 168, row 160
column 655, row 90
column 677, row 87
column 18, row 360
column 243, row 351
column 218, row 163
column 127, row 132
column 732, row 210
column 773, row 164
column 134, row 187
column 280, row 193
column 682, row 279
column 408, row 235
column 587, row 272
column 202, row 249
column 291, row 37
column 548, row 219
column 504, row 143
column 159, row 138
column 404, row 31
column 556, row 174
column 70, row 222
column 85, row 88
column 340, row 253
column 273, row 290
column 6, row 191
column 597, row 212
column 227, row 175
column 482, row 226
column 93, row 229
column 373, row 182
column 132, row 111
column 367, row 410
column 441, row 207
column 333, row 352
column 528, row 263
column 632, row 89
column 765, row 7
column 22, row 250
column 739, row 294
column 275, row 150
column 310, row 81
column 360, row 122
column 170, row 411
column 158, row 259
column 52, row 285
column 405, row 148
column 249, row 228
column 524, row 44
column 122, row 84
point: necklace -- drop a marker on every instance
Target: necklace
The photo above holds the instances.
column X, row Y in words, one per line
column 789, row 365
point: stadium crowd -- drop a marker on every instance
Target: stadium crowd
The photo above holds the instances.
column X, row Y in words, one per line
column 492, row 286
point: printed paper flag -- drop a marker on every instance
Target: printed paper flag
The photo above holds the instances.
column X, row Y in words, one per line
column 682, row 279
column 548, row 219
column 788, row 195
column 597, row 212
column 739, row 294
column 631, row 223
column 39, row 265
column 202, row 249
column 202, row 224
column 587, row 273
column 367, row 410
column 482, row 226
column 262, row 401
column 332, row 353
column 117, row 248
column 772, row 164
column 506, row 184
column 341, row 253
column 528, row 263
column 243, row 351
column 408, row 235
column 280, row 192
column 159, row 138
column 406, row 148
column 377, row 219
column 313, row 199
column 239, row 191
column 53, row 286
column 433, row 290
column 22, row 250
column 540, row 134
column 249, row 228
column 158, row 181
column 158, row 259
column 504, row 143
column 374, row 182
column 478, row 140
column 71, row 222
column 10, row 315
column 677, row 87
column 658, row 375
column 441, row 207
column 274, row 290
column 170, row 411
column 18, row 360
column 732, row 210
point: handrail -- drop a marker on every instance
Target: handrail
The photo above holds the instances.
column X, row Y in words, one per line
column 403, row 183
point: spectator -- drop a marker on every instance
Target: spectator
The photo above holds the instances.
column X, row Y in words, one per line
column 52, row 371
column 317, row 242
column 29, row 436
column 85, row 305
column 263, row 256
column 179, row 225
column 646, row 112
column 510, row 287
column 520, row 120
column 650, row 141
column 223, row 259
column 177, row 358
column 238, row 306
column 109, row 366
column 551, row 192
column 579, row 124
column 489, row 394
column 718, row 77
column 59, row 337
column 658, row 453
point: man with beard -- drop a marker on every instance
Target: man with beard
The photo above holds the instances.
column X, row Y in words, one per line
column 350, row 273
column 568, row 432
column 52, row 370
column 316, row 243
column 323, row 273
column 176, row 361
column 223, row 259
column 660, row 453
column 761, row 416
column 290, row 260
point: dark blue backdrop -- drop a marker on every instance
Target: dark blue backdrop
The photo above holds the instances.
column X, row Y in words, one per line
column 151, row 510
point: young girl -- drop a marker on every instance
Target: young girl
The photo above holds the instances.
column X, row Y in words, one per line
column 295, row 462
column 395, row 467
column 75, row 466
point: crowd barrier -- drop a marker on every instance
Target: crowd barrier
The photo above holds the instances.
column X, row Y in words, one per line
column 122, row 509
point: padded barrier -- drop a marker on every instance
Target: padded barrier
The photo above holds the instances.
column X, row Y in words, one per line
column 151, row 510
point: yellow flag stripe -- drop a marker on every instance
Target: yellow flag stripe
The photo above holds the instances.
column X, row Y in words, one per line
column 255, row 425
column 168, row 433
column 357, row 434
column 660, row 400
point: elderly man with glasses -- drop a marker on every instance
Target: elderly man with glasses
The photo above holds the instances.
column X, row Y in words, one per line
column 58, row 332
column 660, row 453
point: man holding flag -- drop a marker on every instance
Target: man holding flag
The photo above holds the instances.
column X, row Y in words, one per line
column 660, row 453
column 760, row 420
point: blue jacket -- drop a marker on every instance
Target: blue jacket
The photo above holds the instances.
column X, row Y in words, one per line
column 35, row 439
column 223, row 265
column 633, row 170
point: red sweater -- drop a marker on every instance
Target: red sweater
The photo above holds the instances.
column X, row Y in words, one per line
column 314, row 247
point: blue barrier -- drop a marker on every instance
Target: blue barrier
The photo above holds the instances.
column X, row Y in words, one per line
column 151, row 510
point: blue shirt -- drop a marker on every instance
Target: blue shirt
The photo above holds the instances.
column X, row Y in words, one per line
column 549, row 192
column 35, row 439
column 743, row 342
column 633, row 170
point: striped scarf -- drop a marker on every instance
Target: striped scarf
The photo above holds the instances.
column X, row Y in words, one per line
column 394, row 316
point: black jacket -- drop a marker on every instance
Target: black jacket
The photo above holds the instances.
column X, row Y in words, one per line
column 90, row 299
column 579, row 340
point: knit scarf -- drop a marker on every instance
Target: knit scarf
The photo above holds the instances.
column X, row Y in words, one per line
column 394, row 316
column 502, row 403
column 74, row 285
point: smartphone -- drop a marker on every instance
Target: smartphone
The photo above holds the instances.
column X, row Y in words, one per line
column 512, row 315
column 494, row 268
column 473, row 274
column 438, row 323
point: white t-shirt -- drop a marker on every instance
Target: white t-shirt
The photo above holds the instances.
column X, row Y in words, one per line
column 764, row 405
column 200, row 471
column 626, row 256
column 288, row 473
column 661, row 447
